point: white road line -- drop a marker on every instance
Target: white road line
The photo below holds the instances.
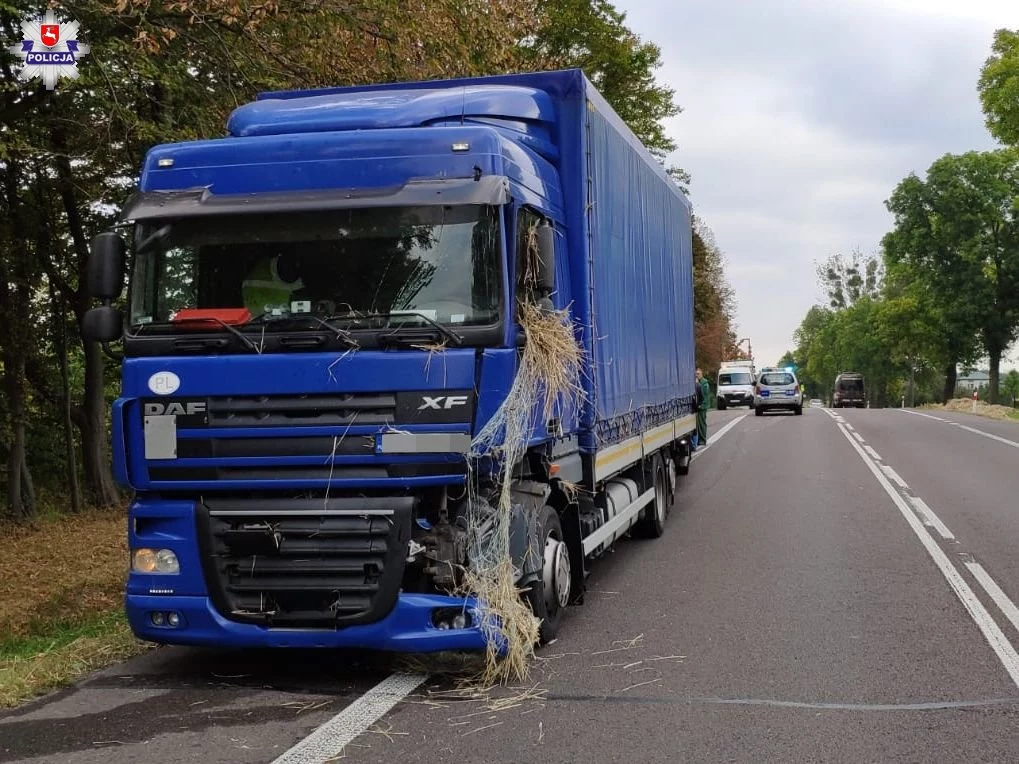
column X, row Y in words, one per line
column 850, row 427
column 998, row 438
column 858, row 436
column 931, row 519
column 992, row 632
column 991, row 587
column 873, row 454
column 967, row 428
column 717, row 436
column 894, row 476
column 329, row 740
column 928, row 416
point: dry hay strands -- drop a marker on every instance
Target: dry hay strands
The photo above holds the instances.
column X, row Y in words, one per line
column 552, row 357
column 549, row 372
column 509, row 626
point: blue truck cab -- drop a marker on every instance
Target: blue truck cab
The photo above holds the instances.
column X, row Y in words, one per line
column 321, row 318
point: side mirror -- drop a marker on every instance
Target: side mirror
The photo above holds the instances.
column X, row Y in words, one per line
column 102, row 324
column 546, row 257
column 106, row 266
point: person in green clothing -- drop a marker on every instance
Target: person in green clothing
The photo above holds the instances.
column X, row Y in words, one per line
column 703, row 396
column 271, row 284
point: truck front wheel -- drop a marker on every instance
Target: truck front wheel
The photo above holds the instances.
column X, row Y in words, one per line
column 549, row 596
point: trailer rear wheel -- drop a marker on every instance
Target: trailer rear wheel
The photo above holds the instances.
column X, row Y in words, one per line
column 549, row 596
column 652, row 524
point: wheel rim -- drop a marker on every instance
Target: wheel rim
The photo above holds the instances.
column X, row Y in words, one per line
column 556, row 574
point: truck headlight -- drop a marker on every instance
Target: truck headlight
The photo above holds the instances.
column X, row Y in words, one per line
column 154, row 561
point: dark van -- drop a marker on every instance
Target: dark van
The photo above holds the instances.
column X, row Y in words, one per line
column 849, row 391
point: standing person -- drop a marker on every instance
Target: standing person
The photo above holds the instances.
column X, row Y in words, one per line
column 703, row 394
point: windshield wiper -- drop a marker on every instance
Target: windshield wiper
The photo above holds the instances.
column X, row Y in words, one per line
column 246, row 342
column 445, row 331
column 266, row 319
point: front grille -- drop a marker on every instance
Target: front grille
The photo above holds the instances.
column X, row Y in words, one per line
column 305, row 562
column 301, row 410
column 324, row 473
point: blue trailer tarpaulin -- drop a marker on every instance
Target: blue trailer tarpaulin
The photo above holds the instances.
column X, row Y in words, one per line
column 642, row 286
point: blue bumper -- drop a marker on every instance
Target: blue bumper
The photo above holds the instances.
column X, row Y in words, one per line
column 408, row 628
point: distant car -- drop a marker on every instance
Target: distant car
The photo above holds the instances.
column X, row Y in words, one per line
column 817, row 402
column 777, row 389
column 735, row 384
column 850, row 391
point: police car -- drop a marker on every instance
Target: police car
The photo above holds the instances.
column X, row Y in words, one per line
column 777, row 389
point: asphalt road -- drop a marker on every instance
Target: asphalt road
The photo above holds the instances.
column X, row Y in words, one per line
column 836, row 586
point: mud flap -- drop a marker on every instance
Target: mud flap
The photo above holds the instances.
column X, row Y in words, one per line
column 528, row 498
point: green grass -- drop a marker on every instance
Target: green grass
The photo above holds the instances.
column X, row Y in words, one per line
column 43, row 637
column 58, row 653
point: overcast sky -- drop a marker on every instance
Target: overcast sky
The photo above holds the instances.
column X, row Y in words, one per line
column 800, row 117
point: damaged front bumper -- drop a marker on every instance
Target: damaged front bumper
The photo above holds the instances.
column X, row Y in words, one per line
column 410, row 627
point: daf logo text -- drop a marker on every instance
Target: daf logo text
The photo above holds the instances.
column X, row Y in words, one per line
column 175, row 409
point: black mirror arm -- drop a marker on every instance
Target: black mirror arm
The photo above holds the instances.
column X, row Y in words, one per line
column 111, row 354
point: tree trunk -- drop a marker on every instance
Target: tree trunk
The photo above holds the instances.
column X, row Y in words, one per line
column 98, row 476
column 992, row 392
column 13, row 376
column 27, row 485
column 60, row 318
column 15, row 339
column 950, row 379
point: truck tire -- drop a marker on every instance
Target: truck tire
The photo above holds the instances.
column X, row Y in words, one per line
column 721, row 405
column 549, row 596
column 758, row 410
column 652, row 524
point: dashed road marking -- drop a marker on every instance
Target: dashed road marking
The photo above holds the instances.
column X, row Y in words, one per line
column 329, row 740
column 985, row 622
column 930, row 519
column 893, row 476
column 1005, row 605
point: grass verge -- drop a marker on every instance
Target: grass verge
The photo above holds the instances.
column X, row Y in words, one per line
column 965, row 406
column 61, row 612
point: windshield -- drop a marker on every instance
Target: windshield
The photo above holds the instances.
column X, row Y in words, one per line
column 777, row 378
column 441, row 262
column 738, row 378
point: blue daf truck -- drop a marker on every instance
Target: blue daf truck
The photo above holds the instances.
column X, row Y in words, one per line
column 321, row 317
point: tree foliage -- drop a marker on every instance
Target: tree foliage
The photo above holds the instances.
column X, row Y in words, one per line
column 592, row 35
column 846, row 280
column 714, row 303
column 999, row 87
column 957, row 235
